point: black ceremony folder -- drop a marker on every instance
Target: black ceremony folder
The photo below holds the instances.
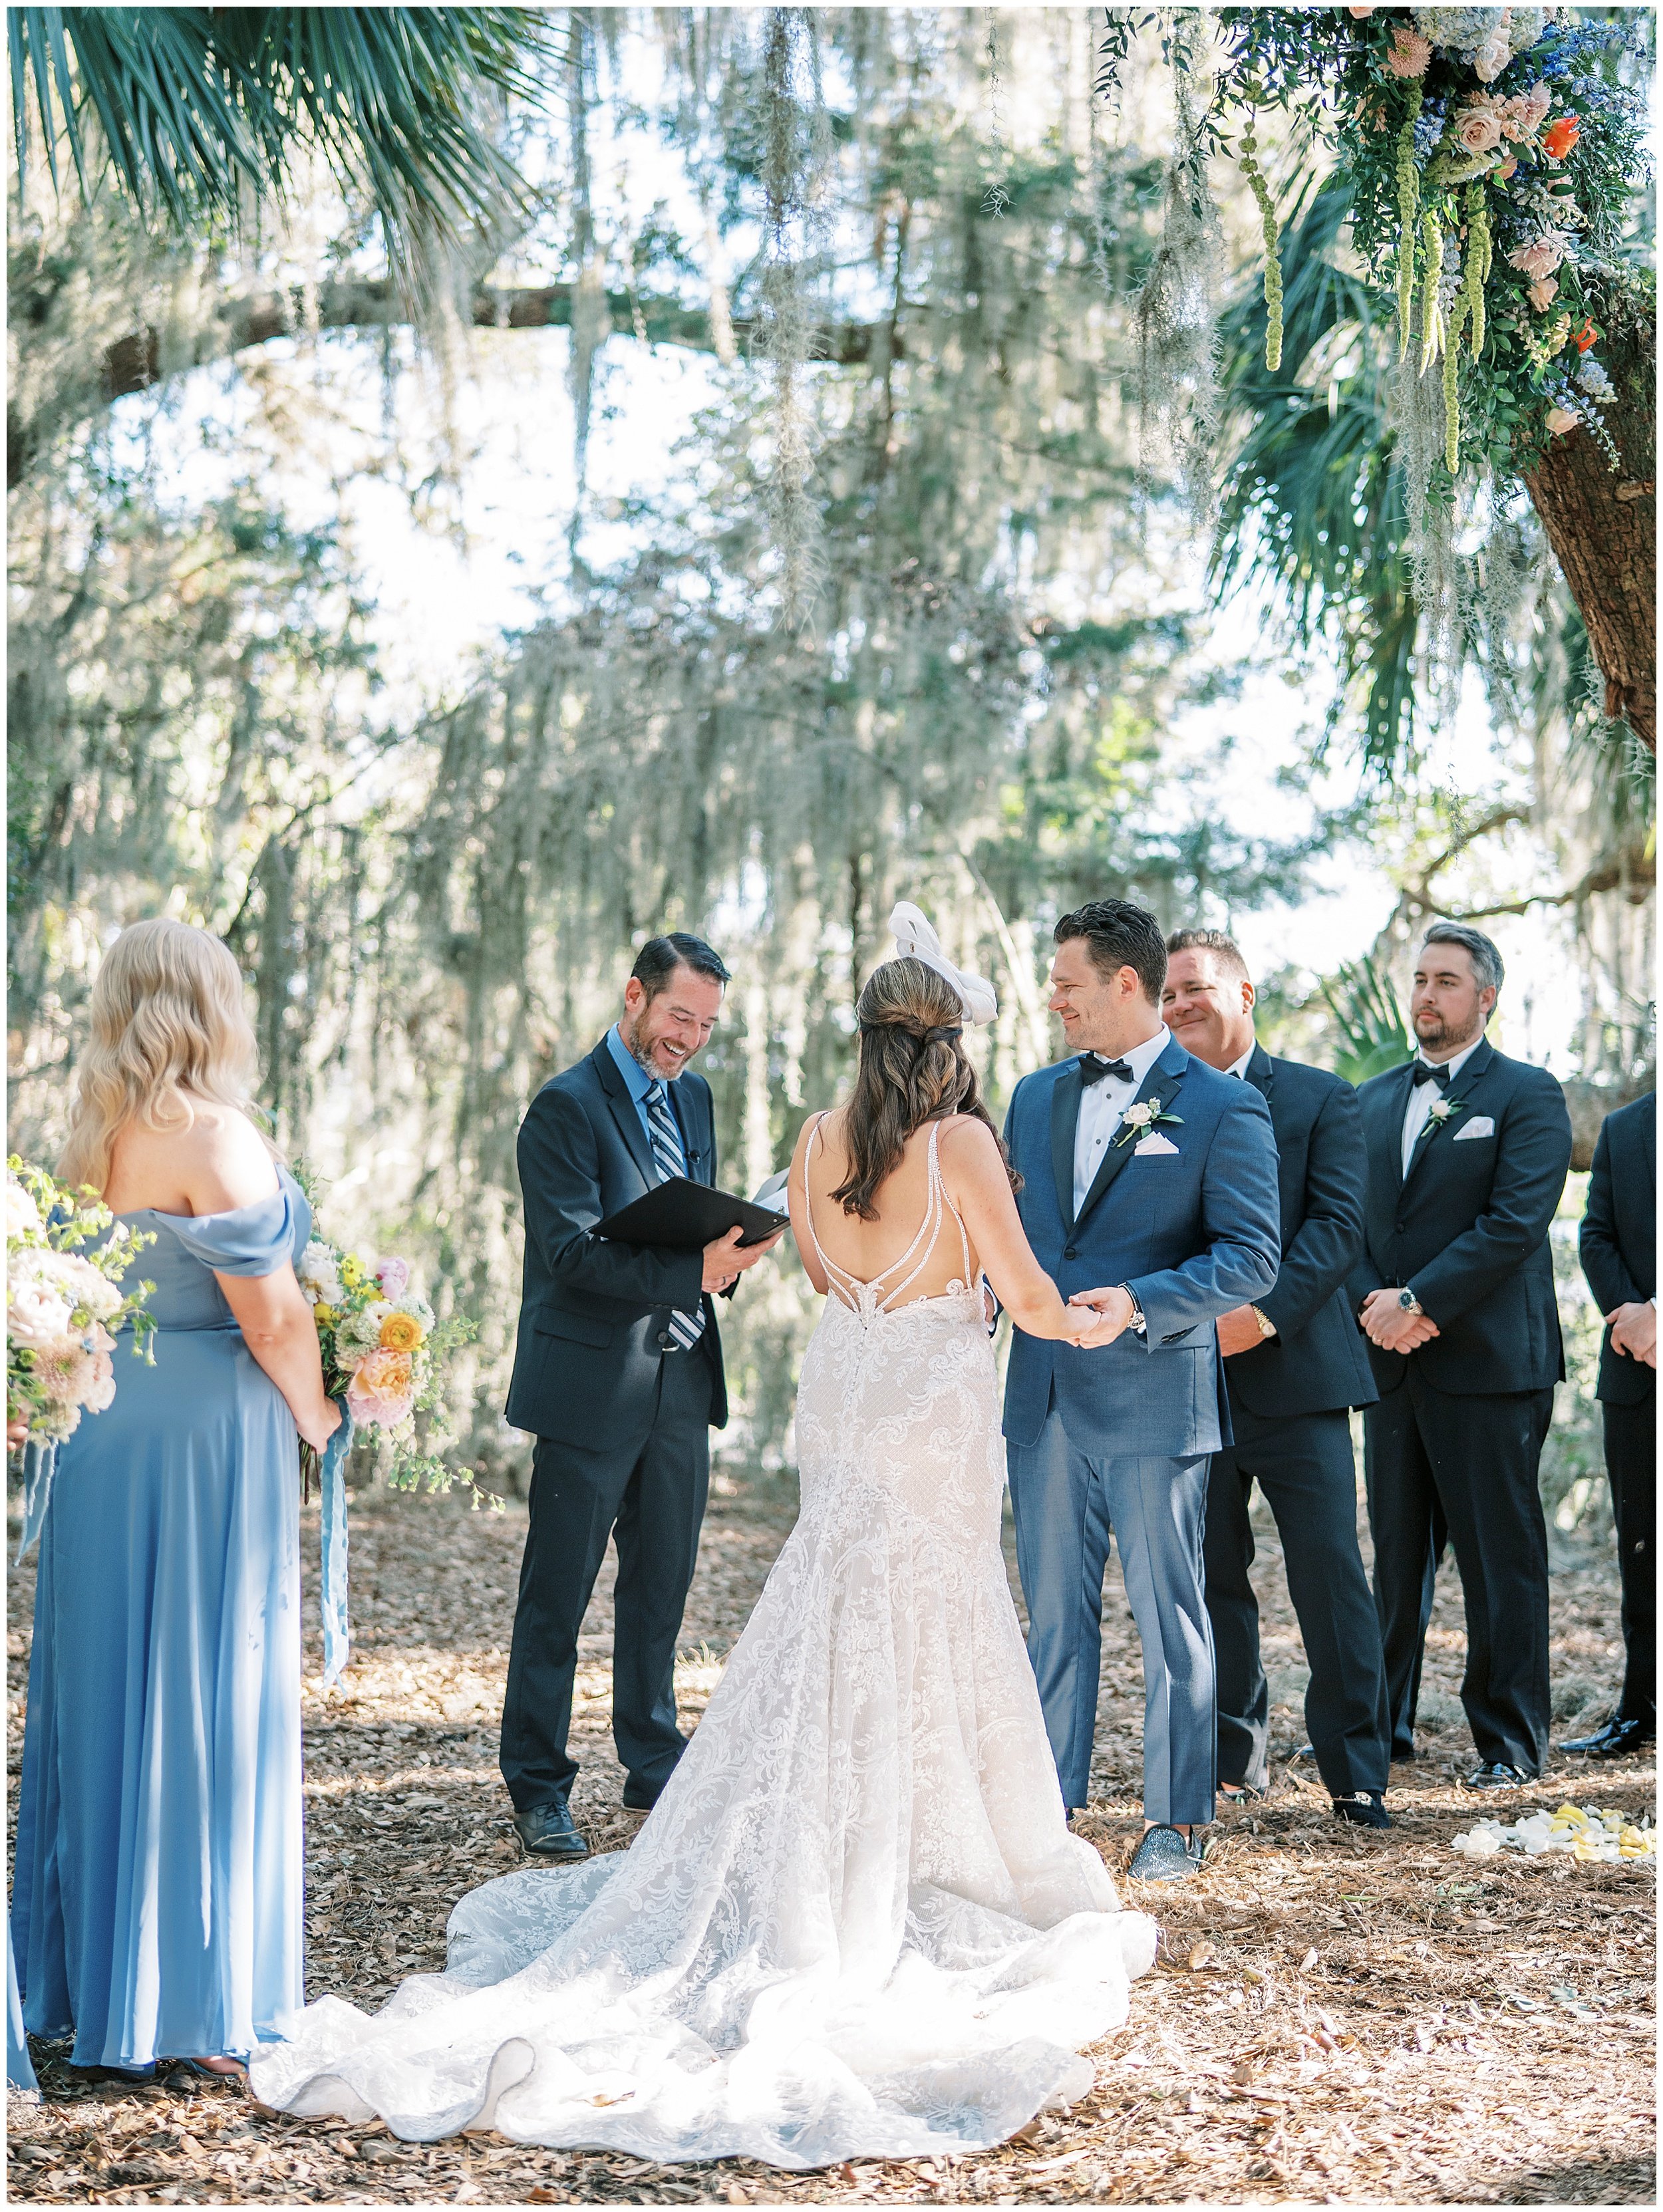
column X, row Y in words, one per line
column 680, row 1216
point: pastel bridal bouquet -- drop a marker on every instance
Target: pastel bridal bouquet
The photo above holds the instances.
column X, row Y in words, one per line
column 67, row 1259
column 385, row 1354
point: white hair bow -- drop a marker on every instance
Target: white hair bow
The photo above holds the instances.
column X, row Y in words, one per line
column 915, row 941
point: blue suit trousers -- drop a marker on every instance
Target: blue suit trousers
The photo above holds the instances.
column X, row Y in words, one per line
column 1068, row 1504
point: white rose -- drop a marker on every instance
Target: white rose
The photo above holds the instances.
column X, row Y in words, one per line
column 1135, row 1115
column 37, row 1315
column 22, row 1214
column 88, row 1285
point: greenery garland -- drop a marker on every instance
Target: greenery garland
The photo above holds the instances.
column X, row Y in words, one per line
column 1255, row 176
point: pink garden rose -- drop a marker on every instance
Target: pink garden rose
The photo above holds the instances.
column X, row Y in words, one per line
column 394, row 1276
column 1479, row 130
column 1542, row 294
column 1533, row 107
column 382, row 1389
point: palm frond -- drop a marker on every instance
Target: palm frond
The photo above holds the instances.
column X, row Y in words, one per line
column 1373, row 1036
column 1311, row 504
column 197, row 113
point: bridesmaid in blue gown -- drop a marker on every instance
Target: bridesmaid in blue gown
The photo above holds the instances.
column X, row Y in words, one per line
column 156, row 1906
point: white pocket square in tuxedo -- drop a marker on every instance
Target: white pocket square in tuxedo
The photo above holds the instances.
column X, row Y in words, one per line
column 1481, row 1126
column 1153, row 1143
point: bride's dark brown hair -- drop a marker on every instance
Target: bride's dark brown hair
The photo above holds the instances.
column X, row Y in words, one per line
column 912, row 1070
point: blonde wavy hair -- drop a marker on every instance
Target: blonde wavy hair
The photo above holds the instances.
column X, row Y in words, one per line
column 170, row 1031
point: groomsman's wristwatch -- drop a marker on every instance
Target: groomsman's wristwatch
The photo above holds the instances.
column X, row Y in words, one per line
column 1267, row 1328
column 1137, row 1325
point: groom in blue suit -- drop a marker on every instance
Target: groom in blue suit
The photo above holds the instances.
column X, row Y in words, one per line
column 1150, row 1193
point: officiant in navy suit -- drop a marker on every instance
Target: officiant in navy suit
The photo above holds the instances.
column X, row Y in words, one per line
column 617, row 1374
column 1295, row 1365
column 1149, row 1193
column 1468, row 1152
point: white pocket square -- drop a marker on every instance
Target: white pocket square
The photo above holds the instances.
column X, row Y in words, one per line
column 1154, row 1142
column 1481, row 1126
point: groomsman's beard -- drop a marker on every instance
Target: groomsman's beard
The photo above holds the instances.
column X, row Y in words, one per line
column 1439, row 1038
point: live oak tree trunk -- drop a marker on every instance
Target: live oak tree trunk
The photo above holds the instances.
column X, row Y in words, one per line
column 1602, row 526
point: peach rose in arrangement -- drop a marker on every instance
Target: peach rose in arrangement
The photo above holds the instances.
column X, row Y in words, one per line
column 1560, row 419
column 1479, row 130
column 1409, row 52
column 1541, row 256
column 1542, row 294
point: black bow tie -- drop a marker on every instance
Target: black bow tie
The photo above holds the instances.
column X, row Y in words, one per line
column 1425, row 1074
column 1093, row 1070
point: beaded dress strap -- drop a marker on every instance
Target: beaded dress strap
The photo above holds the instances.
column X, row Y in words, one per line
column 929, row 1227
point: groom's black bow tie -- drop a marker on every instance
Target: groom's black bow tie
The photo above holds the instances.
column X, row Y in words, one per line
column 1425, row 1074
column 1093, row 1070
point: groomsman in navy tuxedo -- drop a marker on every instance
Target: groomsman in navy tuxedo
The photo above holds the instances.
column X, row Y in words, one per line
column 1619, row 1258
column 1295, row 1365
column 1467, row 1156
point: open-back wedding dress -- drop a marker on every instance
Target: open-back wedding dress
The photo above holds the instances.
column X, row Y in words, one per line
column 855, row 1922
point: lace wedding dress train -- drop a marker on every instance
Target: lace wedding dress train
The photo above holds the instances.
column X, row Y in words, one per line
column 856, row 1924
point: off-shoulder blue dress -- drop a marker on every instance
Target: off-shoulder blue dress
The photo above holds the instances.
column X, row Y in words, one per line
column 156, row 1899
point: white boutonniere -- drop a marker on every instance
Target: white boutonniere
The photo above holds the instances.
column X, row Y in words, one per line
column 1142, row 1115
column 1444, row 1109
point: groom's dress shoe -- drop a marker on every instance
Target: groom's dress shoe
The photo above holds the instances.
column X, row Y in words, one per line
column 547, row 1832
column 1165, row 1856
column 1616, row 1740
column 1364, row 1809
column 1496, row 1774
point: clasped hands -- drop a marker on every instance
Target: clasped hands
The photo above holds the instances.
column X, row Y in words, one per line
column 1634, row 1330
column 1113, row 1309
column 1387, row 1323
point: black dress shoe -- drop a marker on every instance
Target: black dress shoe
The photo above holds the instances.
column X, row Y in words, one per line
column 1364, row 1809
column 1164, row 1855
column 547, row 1832
column 1496, row 1774
column 1616, row 1740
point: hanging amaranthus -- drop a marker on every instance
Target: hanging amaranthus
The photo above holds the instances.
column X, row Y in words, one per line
column 1476, row 273
column 1409, row 203
column 1432, row 313
column 1255, row 176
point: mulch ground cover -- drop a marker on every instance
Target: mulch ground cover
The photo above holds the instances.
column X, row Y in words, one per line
column 1335, row 2016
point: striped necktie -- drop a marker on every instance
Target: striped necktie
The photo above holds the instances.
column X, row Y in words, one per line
column 670, row 1159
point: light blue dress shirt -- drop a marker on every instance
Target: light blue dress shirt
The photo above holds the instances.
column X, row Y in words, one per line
column 639, row 1084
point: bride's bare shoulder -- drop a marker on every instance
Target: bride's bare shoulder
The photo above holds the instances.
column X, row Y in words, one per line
column 968, row 1147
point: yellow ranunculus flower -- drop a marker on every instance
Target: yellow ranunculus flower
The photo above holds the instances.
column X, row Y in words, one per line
column 352, row 1271
column 324, row 1315
column 401, row 1332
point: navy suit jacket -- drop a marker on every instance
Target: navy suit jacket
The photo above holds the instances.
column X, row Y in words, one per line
column 1190, row 1231
column 592, row 1311
column 1467, row 1229
column 1317, row 1360
column 1618, row 1240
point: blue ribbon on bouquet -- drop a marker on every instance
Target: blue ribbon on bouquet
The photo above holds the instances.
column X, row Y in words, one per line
column 40, row 1465
column 332, row 1587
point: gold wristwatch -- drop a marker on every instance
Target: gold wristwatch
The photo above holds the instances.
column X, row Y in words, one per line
column 1266, row 1326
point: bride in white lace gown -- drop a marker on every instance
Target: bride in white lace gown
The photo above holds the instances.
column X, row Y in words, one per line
column 856, row 1923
